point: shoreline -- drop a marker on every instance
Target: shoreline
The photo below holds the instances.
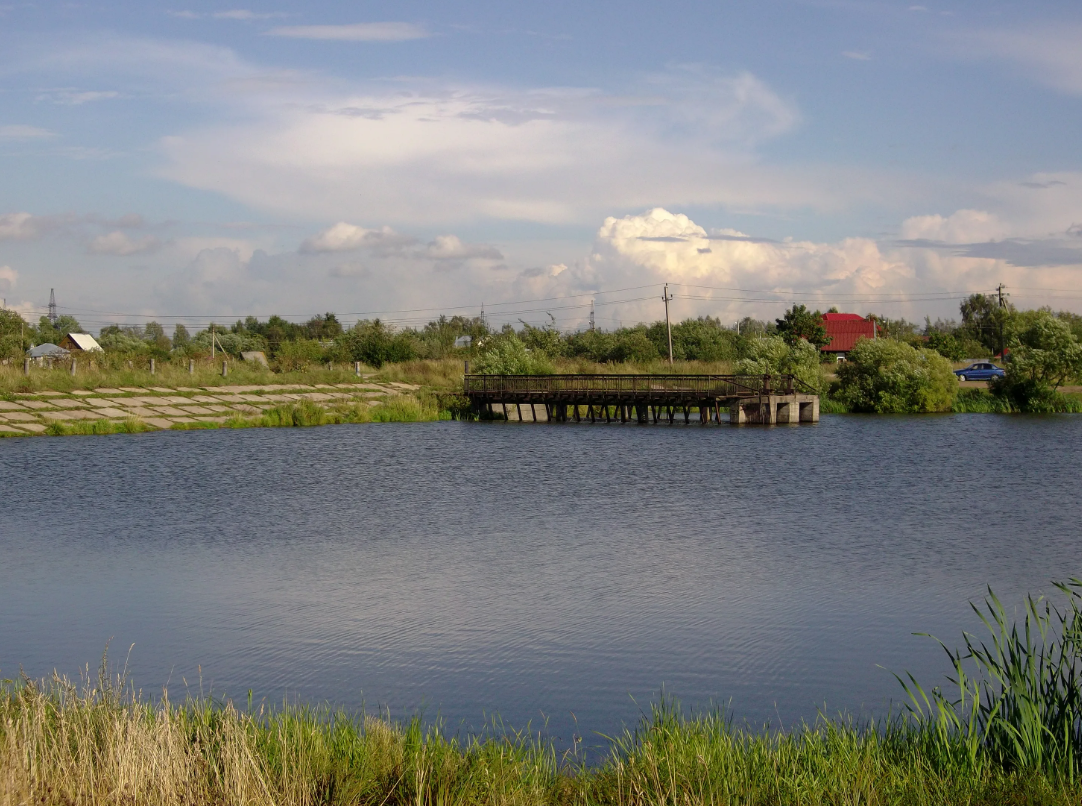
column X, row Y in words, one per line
column 103, row 743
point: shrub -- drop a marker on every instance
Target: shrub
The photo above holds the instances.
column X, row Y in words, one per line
column 294, row 356
column 505, row 354
column 946, row 345
column 889, row 377
column 1044, row 354
column 375, row 344
column 773, row 355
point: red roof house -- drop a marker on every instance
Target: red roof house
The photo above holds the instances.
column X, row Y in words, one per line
column 844, row 329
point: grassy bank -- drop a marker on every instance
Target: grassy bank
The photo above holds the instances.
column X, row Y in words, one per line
column 1013, row 736
column 60, row 745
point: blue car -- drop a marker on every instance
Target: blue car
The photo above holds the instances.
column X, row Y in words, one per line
column 979, row 372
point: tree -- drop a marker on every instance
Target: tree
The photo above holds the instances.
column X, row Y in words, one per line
column 505, row 354
column 54, row 333
column 1044, row 354
column 946, row 345
column 800, row 323
column 772, row 355
column 885, row 376
column 375, row 344
column 181, row 337
column 13, row 334
column 984, row 320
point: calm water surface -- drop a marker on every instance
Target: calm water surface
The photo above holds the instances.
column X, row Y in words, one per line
column 564, row 572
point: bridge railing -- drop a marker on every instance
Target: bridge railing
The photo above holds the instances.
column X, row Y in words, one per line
column 705, row 385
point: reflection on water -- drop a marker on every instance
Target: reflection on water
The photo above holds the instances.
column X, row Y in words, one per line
column 531, row 570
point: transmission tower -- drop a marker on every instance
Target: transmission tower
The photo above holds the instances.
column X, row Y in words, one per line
column 52, row 306
column 591, row 314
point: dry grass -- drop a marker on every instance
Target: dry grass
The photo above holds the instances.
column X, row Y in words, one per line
column 102, row 744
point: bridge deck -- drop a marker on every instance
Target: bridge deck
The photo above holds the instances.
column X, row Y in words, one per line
column 674, row 390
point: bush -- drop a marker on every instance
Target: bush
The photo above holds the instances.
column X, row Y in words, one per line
column 294, row 356
column 946, row 345
column 375, row 344
column 505, row 354
column 889, row 377
column 773, row 355
column 1044, row 354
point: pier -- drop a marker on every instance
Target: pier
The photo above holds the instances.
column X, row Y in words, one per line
column 745, row 399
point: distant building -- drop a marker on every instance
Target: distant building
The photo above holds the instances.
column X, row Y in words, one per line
column 46, row 354
column 80, row 343
column 844, row 329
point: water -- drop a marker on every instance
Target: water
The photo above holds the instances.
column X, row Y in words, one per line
column 562, row 573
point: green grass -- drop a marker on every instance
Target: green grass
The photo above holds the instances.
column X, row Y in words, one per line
column 96, row 427
column 1012, row 737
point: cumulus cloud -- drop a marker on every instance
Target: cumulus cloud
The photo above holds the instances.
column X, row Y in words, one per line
column 24, row 226
column 355, row 32
column 435, row 153
column 345, row 237
column 449, row 247
column 119, row 243
column 8, row 278
column 963, row 226
column 23, row 132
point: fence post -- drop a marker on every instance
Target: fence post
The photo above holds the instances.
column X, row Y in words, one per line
column 26, row 366
column 73, row 366
column 225, row 368
column 152, row 366
column 191, row 366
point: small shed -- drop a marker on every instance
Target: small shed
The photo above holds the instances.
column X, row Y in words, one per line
column 80, row 343
column 46, row 354
column 844, row 329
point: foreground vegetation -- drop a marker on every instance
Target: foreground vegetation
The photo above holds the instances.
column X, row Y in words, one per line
column 1011, row 735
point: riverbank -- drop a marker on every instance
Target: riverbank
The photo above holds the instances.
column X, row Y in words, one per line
column 101, row 744
column 131, row 409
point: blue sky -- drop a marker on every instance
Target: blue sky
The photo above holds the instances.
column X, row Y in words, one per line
column 211, row 161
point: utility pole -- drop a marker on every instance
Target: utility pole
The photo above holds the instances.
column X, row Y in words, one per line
column 1002, row 305
column 666, row 296
column 591, row 315
column 52, row 306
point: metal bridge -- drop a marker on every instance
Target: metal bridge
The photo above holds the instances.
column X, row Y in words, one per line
column 643, row 398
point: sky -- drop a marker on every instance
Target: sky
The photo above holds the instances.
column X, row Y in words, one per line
column 195, row 161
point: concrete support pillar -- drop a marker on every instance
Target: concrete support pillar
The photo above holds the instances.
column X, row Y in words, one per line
column 225, row 368
column 152, row 366
column 74, row 363
column 191, row 366
column 786, row 412
column 809, row 410
column 26, row 366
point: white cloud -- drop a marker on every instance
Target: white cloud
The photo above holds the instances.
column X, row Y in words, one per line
column 70, row 96
column 21, row 132
column 23, row 226
column 356, row 32
column 8, row 278
column 449, row 247
column 345, row 237
column 860, row 56
column 435, row 154
column 963, row 226
column 246, row 15
column 119, row 243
